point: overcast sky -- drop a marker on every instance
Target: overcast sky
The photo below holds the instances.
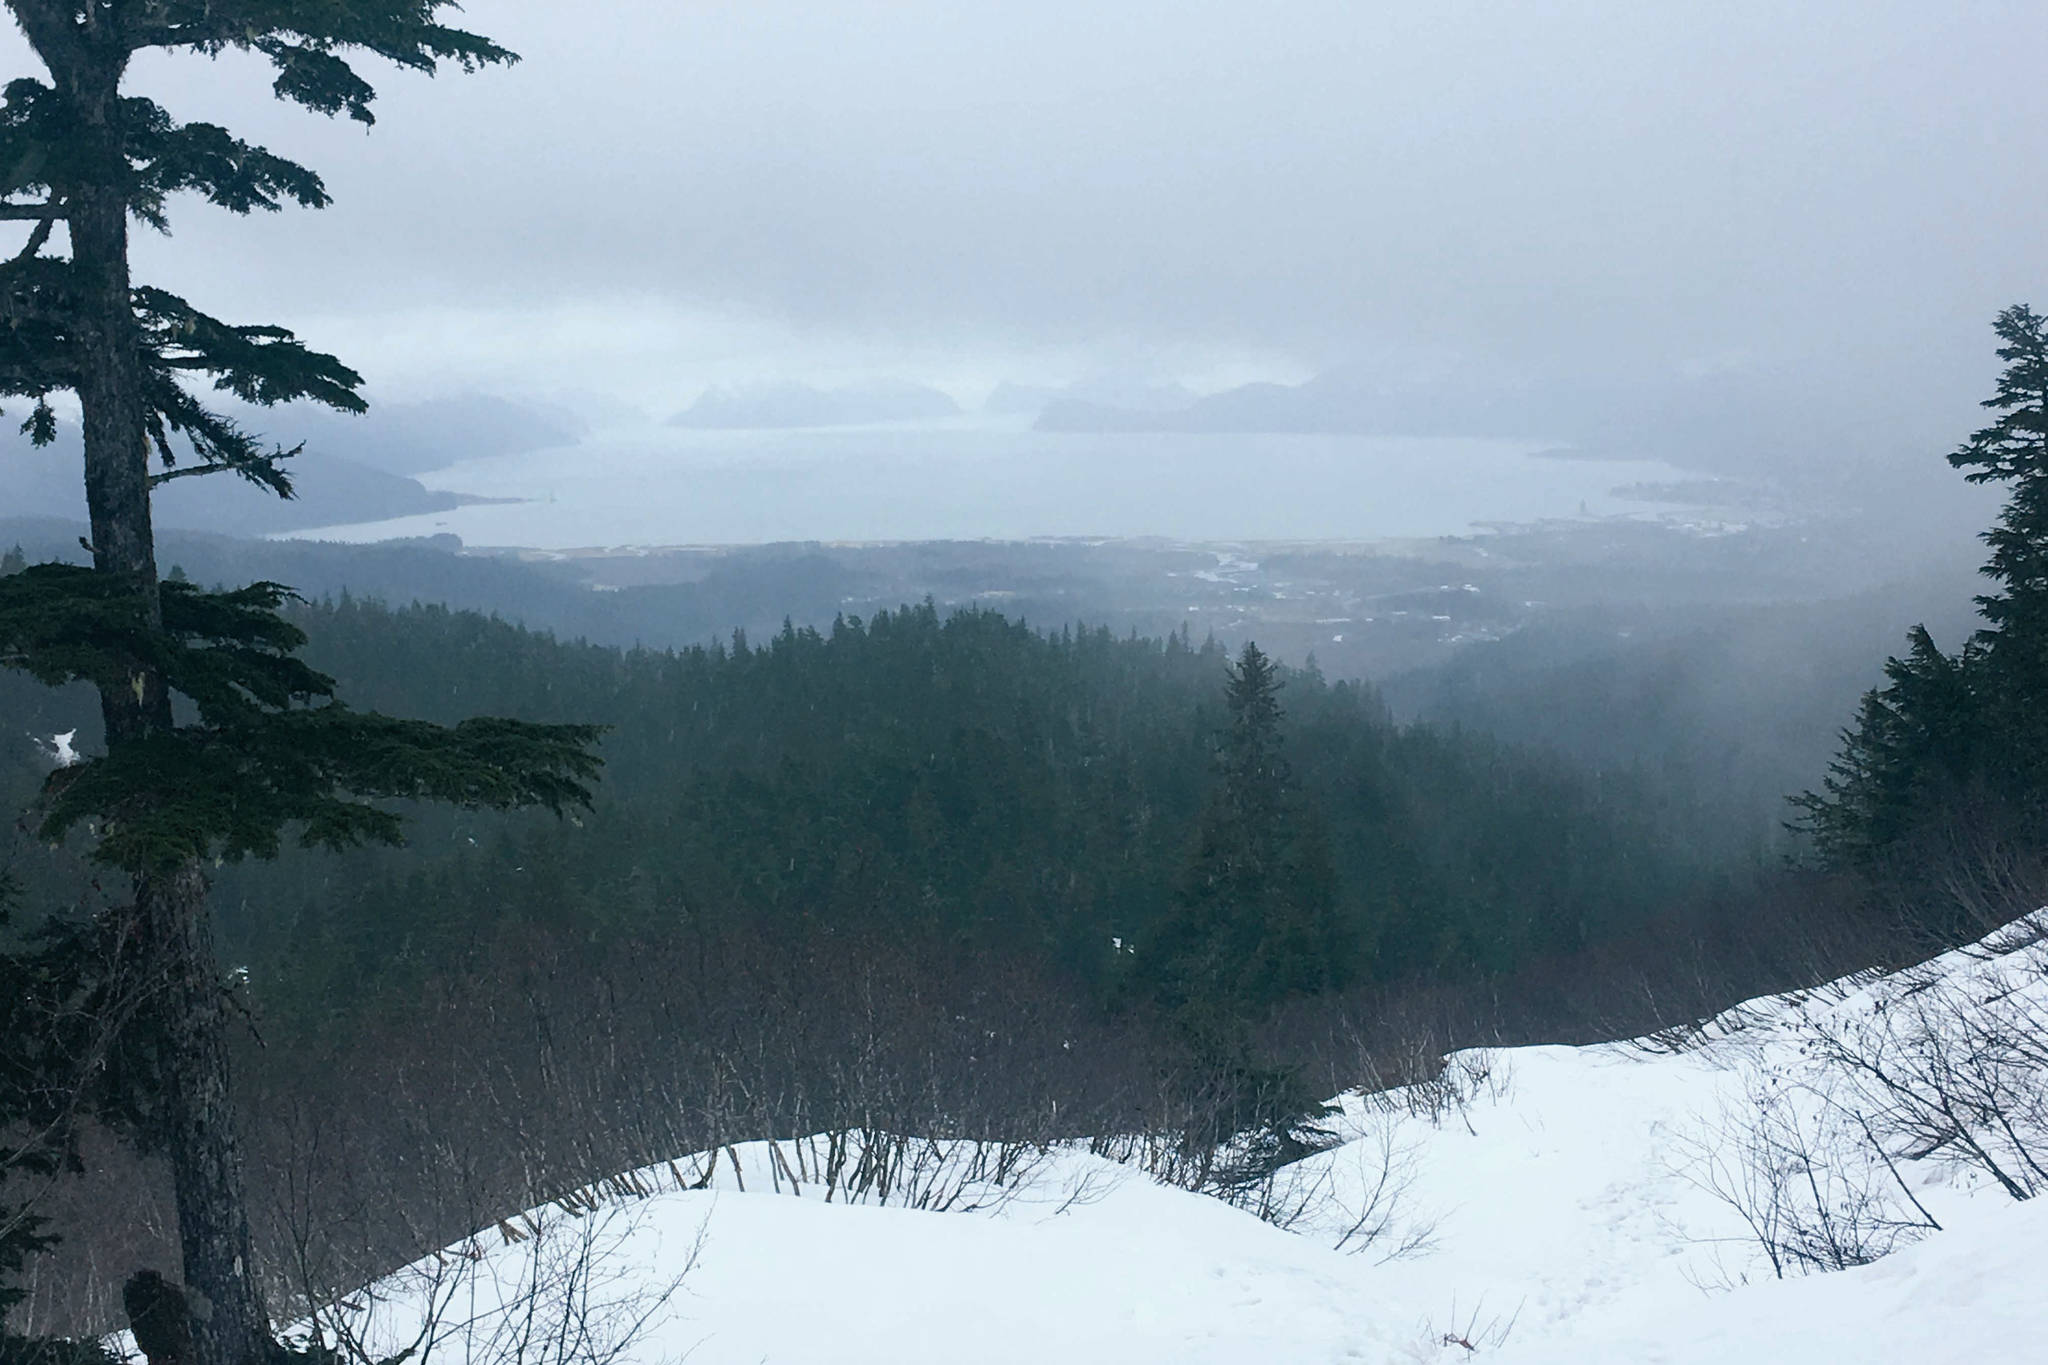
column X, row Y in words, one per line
column 667, row 194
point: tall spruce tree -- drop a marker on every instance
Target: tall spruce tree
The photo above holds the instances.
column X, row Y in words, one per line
column 2012, row 648
column 1254, row 921
column 268, row 747
column 1255, row 917
column 1946, row 731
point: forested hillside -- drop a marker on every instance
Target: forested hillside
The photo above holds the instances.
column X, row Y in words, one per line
column 963, row 775
column 1715, row 712
column 913, row 866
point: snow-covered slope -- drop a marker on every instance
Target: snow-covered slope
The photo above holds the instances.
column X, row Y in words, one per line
column 1539, row 1205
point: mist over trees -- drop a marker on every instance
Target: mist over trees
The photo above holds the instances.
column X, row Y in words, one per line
column 962, row 771
column 1940, row 785
column 938, row 871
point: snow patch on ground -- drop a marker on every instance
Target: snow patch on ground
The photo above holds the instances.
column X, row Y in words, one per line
column 1545, row 1204
column 58, row 748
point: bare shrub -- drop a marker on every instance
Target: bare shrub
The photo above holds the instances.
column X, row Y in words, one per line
column 1970, row 864
column 541, row 1064
column 1956, row 1066
column 1382, row 1219
column 1472, row 1332
column 1807, row 1177
column 1461, row 1080
column 557, row 1290
column 1357, row 1193
column 855, row 1166
column 545, row 1067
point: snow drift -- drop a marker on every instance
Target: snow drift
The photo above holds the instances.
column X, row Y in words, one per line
column 1836, row 1174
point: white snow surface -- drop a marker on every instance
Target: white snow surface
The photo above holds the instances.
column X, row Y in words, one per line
column 58, row 748
column 1558, row 1195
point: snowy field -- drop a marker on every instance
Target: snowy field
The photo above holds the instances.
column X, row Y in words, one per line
column 1547, row 1204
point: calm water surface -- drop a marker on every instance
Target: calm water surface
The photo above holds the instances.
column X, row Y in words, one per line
column 660, row 486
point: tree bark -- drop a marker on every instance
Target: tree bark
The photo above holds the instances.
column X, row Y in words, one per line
column 110, row 391
column 229, row 1323
column 111, row 380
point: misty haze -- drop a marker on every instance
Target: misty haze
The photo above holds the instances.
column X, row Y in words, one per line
column 1118, row 682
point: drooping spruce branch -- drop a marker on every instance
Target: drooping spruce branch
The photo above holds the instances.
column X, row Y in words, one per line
column 52, row 148
column 271, row 750
column 42, row 337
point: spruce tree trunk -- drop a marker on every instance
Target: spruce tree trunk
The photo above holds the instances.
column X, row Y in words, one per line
column 229, row 1323
column 111, row 402
column 110, row 388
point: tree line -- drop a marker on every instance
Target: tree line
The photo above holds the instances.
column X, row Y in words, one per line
column 1938, row 793
column 1020, row 792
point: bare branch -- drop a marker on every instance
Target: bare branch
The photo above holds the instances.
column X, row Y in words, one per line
column 37, row 240
column 192, row 471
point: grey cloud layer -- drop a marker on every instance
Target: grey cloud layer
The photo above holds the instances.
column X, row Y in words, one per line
column 1551, row 186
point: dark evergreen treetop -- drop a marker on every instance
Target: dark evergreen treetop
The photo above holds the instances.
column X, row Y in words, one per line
column 1915, row 742
column 2015, row 447
column 1256, row 916
column 1963, row 739
column 2014, row 450
column 74, row 139
column 1251, row 761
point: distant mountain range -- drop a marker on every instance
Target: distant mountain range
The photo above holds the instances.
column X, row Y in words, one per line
column 790, row 406
column 1334, row 402
column 1104, row 392
column 331, row 490
column 415, row 438
column 1735, row 421
column 353, row 469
